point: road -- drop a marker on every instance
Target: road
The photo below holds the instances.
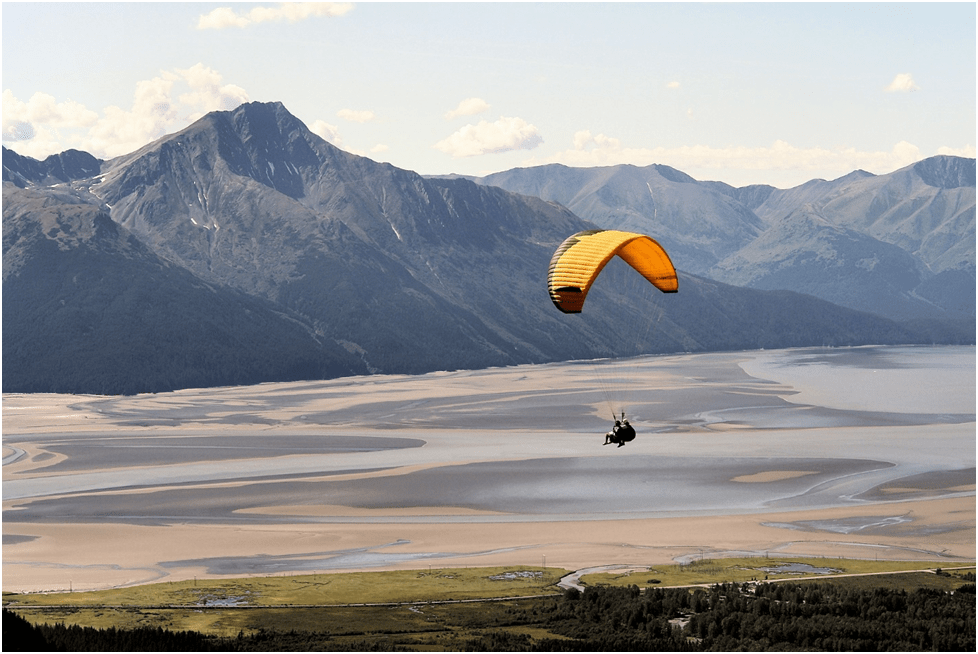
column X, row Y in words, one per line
column 572, row 580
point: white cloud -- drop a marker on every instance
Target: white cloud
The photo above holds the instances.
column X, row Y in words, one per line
column 224, row 17
column 780, row 158
column 221, row 18
column 967, row 151
column 328, row 132
column 207, row 93
column 356, row 116
column 380, row 147
column 672, row 85
column 26, row 139
column 902, row 83
column 468, row 107
column 503, row 135
column 17, row 130
column 42, row 126
column 584, row 138
column 119, row 131
column 22, row 120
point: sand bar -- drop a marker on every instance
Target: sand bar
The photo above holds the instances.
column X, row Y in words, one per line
column 492, row 467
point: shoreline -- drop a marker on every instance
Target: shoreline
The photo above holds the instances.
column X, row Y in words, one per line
column 495, row 467
column 180, row 552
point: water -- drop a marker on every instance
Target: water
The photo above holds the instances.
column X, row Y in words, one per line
column 798, row 568
column 901, row 380
column 521, row 443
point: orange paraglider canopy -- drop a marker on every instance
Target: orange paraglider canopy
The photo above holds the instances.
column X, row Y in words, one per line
column 580, row 258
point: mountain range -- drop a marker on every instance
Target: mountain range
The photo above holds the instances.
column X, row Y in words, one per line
column 245, row 248
column 900, row 245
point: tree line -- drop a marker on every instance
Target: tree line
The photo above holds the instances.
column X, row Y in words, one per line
column 725, row 617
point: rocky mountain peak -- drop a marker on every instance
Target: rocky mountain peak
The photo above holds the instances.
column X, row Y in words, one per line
column 248, row 223
column 277, row 147
column 73, row 164
column 57, row 168
column 673, row 175
column 259, row 141
column 947, row 172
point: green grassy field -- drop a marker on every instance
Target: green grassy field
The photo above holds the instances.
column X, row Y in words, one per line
column 710, row 571
column 318, row 589
column 410, row 603
column 225, row 607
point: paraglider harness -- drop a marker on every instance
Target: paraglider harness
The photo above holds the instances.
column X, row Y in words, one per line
column 621, row 433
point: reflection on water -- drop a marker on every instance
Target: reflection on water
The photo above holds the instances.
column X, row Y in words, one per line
column 926, row 380
column 636, row 485
column 524, row 443
column 798, row 568
column 211, row 600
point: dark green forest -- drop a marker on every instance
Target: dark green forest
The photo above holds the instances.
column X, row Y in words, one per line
column 725, row 617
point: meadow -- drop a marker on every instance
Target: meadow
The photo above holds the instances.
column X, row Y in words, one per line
column 365, row 602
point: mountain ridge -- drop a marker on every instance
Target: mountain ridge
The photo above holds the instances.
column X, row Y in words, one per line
column 926, row 209
column 368, row 267
column 88, row 308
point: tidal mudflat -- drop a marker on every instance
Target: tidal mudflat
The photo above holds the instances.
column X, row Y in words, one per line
column 861, row 452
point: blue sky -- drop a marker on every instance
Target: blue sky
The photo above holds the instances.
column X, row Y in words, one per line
column 774, row 93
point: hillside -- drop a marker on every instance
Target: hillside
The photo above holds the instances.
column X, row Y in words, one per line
column 245, row 248
column 900, row 245
column 87, row 308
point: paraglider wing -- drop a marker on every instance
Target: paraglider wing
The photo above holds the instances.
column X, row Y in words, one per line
column 580, row 258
